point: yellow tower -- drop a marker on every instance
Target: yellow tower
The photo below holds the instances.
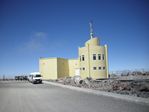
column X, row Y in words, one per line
column 93, row 60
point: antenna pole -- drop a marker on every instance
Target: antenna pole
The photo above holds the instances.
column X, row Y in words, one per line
column 91, row 29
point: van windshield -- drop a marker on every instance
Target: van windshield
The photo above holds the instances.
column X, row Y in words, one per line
column 38, row 76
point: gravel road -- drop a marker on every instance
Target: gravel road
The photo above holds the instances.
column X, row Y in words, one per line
column 21, row 96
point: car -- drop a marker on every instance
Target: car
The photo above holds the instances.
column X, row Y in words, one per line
column 35, row 77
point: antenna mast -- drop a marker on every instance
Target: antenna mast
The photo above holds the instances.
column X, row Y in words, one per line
column 91, row 29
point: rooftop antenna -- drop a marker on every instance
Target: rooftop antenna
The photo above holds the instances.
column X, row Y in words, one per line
column 91, row 29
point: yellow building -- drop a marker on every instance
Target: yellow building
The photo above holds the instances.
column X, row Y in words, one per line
column 92, row 62
column 54, row 68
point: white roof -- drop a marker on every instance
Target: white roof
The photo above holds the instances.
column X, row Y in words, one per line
column 35, row 73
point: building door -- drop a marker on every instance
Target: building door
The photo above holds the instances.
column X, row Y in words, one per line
column 77, row 72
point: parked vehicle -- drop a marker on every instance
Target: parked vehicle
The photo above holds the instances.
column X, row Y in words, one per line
column 21, row 77
column 35, row 77
column 29, row 78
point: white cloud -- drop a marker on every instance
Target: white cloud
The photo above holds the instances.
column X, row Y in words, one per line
column 36, row 42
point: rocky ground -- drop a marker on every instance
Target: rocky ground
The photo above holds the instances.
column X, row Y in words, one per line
column 135, row 85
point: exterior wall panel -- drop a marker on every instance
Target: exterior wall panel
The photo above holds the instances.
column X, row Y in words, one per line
column 62, row 68
column 73, row 65
column 48, row 68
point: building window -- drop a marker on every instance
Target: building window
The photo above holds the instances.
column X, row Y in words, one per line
column 80, row 58
column 103, row 68
column 83, row 68
column 94, row 68
column 80, row 68
column 94, row 56
column 99, row 68
column 99, row 56
column 103, row 57
column 83, row 58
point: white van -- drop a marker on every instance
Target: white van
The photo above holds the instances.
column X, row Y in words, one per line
column 35, row 77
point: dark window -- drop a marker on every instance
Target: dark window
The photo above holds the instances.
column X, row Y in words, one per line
column 83, row 68
column 103, row 68
column 99, row 68
column 80, row 68
column 94, row 56
column 83, row 58
column 94, row 68
column 99, row 56
column 80, row 58
column 37, row 76
column 103, row 57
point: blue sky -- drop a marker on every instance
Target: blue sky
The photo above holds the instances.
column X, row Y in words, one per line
column 30, row 29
